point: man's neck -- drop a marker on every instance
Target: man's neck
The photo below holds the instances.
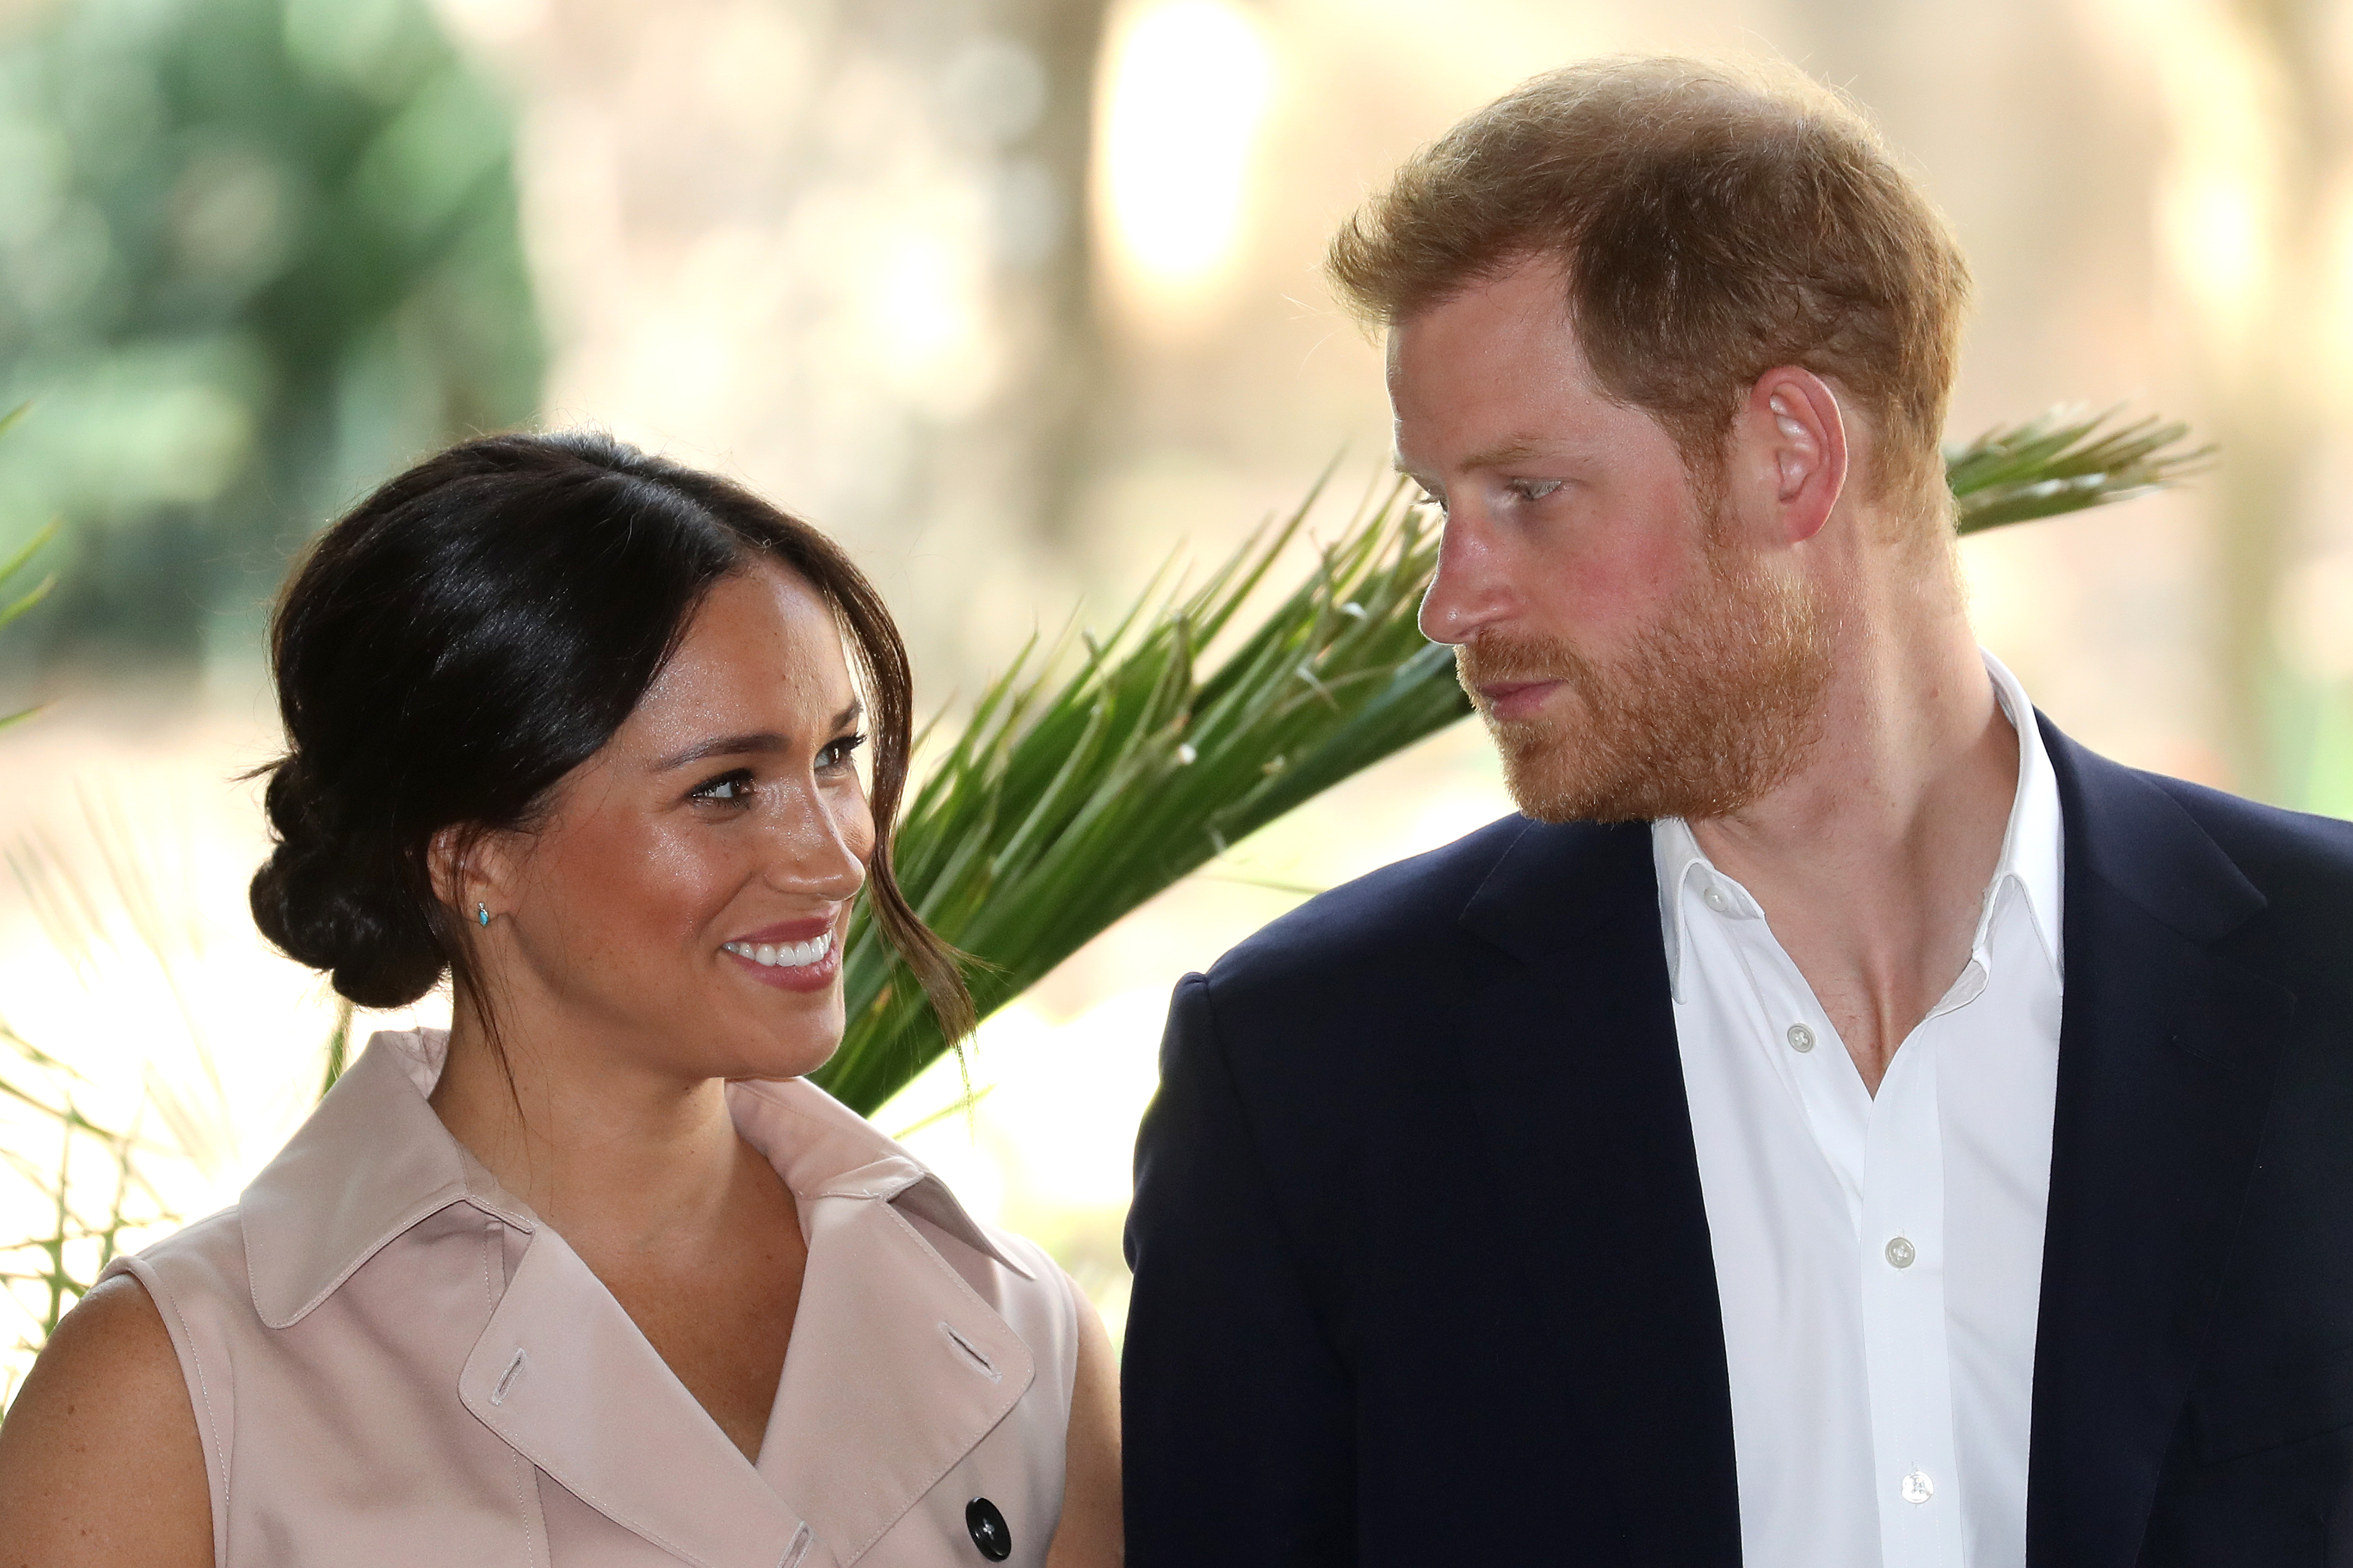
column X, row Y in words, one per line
column 1872, row 863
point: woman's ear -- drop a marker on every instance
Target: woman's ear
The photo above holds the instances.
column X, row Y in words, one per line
column 445, row 867
column 470, row 870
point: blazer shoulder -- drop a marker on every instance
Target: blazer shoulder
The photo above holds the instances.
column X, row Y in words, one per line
column 2301, row 866
column 2210, row 863
column 2276, row 847
column 1400, row 904
column 1385, row 927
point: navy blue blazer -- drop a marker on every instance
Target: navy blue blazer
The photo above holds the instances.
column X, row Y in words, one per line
column 1422, row 1273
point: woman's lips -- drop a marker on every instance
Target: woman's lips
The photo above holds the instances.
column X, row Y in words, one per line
column 793, row 976
column 790, row 955
column 789, row 930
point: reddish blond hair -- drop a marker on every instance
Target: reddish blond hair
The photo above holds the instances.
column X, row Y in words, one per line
column 1710, row 225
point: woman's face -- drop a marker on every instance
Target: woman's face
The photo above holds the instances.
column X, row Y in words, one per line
column 683, row 905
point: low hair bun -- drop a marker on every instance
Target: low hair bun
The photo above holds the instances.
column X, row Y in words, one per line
column 332, row 901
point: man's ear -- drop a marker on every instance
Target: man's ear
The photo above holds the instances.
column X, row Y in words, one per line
column 1793, row 438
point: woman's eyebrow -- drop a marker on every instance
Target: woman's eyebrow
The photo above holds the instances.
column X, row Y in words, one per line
column 752, row 744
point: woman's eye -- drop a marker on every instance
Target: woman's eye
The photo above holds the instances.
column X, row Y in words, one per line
column 1534, row 490
column 838, row 753
column 732, row 788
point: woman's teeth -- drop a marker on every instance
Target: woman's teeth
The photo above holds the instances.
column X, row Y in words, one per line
column 783, row 954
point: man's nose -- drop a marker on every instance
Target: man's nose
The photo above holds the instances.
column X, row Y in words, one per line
column 1471, row 590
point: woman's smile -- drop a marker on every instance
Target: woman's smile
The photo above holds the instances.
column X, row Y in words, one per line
column 795, row 955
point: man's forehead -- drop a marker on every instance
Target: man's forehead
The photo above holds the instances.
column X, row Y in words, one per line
column 1528, row 296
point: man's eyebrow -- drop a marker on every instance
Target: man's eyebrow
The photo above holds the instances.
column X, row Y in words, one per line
column 1518, row 449
column 752, row 744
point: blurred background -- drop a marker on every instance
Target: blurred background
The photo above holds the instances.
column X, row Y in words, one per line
column 1018, row 298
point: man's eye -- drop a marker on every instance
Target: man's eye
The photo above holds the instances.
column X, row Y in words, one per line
column 730, row 787
column 1534, row 490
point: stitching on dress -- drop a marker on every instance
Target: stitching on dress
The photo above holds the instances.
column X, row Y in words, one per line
column 204, row 1389
column 526, row 1476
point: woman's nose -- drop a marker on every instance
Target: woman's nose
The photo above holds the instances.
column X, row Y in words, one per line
column 821, row 846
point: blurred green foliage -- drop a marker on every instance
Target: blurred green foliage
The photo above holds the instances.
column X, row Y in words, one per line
column 254, row 254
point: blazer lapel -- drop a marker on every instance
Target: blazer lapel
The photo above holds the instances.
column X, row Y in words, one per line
column 565, row 1376
column 2165, row 1059
column 1577, row 1081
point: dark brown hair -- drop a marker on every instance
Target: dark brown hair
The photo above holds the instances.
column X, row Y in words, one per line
column 475, row 630
column 1710, row 226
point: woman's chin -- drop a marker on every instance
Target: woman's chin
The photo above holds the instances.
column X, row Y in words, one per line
column 795, row 1052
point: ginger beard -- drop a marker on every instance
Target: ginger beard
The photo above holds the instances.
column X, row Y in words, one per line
column 1711, row 706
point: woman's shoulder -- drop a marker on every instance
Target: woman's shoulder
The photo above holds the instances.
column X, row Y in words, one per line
column 99, row 1458
column 198, row 1270
column 116, row 1330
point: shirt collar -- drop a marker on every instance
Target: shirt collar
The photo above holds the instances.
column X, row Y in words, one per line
column 2032, row 847
column 373, row 1161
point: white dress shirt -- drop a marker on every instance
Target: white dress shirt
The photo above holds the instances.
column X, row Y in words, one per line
column 1879, row 1259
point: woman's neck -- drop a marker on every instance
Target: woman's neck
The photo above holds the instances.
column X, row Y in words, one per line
column 616, row 1159
column 643, row 1175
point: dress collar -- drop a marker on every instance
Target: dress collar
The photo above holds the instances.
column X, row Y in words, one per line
column 373, row 1161
column 2032, row 846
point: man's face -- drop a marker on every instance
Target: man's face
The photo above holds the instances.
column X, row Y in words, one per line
column 1635, row 653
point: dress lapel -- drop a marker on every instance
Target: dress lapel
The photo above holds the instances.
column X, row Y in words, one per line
column 1577, row 1080
column 898, row 1368
column 565, row 1376
column 2166, row 1052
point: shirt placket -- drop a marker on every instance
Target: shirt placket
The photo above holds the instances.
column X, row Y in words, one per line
column 1901, row 1256
column 1887, row 1152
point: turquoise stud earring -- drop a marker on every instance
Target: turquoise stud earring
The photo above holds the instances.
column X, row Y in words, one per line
column 482, row 914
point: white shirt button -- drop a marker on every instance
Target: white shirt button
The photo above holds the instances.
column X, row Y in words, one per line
column 1901, row 1253
column 1918, row 1488
column 1713, row 897
column 1801, row 1038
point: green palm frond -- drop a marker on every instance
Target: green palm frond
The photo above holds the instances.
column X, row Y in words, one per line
column 1066, row 802
column 1069, row 800
column 11, row 608
column 111, row 915
column 2065, row 461
column 89, row 1183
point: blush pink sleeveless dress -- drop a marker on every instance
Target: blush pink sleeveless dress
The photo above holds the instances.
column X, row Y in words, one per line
column 393, row 1361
